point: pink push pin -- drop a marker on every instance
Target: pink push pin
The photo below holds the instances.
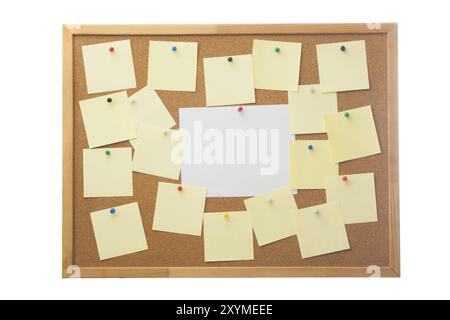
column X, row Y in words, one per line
column 240, row 109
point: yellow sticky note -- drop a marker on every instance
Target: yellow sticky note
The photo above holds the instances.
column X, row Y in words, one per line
column 120, row 233
column 172, row 65
column 107, row 119
column 343, row 66
column 147, row 108
column 179, row 211
column 228, row 236
column 320, row 230
column 229, row 82
column 271, row 215
column 307, row 107
column 276, row 65
column 311, row 162
column 107, row 172
column 109, row 66
column 354, row 136
column 356, row 196
column 159, row 152
column 134, row 143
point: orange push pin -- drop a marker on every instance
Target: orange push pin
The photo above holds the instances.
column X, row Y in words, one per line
column 111, row 49
column 180, row 188
column 345, row 178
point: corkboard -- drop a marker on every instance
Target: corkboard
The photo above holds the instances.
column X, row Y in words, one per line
column 371, row 244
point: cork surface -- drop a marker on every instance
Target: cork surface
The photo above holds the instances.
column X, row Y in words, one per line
column 369, row 242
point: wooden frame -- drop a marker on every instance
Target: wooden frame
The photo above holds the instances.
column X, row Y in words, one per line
column 393, row 270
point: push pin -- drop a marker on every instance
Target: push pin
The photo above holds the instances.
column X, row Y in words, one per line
column 343, row 48
column 316, row 211
column 166, row 133
column 180, row 188
column 345, row 178
column 111, row 49
column 174, row 49
column 108, row 153
column 270, row 200
column 230, row 59
column 112, row 211
column 109, row 100
column 312, row 91
column 133, row 101
column 277, row 50
column 310, row 147
column 347, row 115
column 226, row 215
column 240, row 109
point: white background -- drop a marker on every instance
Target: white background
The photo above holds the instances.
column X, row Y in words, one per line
column 30, row 73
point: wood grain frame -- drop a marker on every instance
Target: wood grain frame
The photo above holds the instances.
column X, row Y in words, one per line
column 390, row 29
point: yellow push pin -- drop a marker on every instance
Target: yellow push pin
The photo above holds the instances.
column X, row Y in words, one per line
column 226, row 215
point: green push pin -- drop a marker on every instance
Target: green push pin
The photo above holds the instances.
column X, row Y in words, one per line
column 277, row 50
column 310, row 147
column 109, row 100
column 108, row 153
column 347, row 115
column 343, row 48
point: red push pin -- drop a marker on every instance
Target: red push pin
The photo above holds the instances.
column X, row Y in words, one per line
column 111, row 49
column 180, row 188
column 345, row 178
column 240, row 109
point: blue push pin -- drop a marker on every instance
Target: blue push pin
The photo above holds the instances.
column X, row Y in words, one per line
column 174, row 49
column 310, row 147
column 112, row 211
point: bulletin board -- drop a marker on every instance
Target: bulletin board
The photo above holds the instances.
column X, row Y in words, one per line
column 374, row 246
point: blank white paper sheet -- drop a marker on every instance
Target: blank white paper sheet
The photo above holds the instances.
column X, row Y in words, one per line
column 236, row 151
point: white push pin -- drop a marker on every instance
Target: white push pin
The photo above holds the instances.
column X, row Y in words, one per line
column 316, row 211
column 270, row 200
column 312, row 91
column 166, row 133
